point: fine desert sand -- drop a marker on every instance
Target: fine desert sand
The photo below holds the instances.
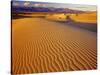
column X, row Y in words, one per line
column 40, row 45
column 88, row 17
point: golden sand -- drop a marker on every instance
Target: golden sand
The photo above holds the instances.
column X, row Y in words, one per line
column 89, row 17
column 39, row 45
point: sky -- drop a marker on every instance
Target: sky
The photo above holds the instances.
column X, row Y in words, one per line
column 55, row 5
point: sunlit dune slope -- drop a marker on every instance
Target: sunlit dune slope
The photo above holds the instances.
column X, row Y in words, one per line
column 85, row 17
column 40, row 45
column 89, row 17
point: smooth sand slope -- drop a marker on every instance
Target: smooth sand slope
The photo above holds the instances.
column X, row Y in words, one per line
column 85, row 17
column 40, row 45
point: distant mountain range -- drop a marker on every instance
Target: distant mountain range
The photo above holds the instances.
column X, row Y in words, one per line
column 44, row 9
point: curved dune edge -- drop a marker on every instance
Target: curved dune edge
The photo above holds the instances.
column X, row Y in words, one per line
column 41, row 46
column 82, row 17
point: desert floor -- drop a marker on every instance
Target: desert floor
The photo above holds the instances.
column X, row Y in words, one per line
column 40, row 45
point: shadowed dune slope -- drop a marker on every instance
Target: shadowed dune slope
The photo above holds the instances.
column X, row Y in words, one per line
column 88, row 17
column 39, row 45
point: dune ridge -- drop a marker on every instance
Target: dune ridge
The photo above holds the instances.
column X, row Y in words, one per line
column 41, row 46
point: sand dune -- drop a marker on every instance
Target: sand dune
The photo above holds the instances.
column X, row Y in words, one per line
column 88, row 17
column 39, row 45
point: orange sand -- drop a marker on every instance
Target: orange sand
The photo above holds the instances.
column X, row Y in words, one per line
column 86, row 17
column 89, row 17
column 39, row 45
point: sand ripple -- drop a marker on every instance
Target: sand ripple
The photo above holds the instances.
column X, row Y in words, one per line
column 42, row 46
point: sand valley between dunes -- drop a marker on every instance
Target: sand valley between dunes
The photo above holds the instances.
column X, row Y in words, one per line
column 40, row 45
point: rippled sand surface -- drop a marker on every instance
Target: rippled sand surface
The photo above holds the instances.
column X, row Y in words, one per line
column 40, row 45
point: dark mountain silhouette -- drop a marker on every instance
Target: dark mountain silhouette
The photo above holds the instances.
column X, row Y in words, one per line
column 44, row 9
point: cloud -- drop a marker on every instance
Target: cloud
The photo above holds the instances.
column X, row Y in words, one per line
column 39, row 5
column 26, row 3
column 15, row 4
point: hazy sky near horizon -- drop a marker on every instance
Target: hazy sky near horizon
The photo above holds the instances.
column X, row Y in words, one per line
column 55, row 5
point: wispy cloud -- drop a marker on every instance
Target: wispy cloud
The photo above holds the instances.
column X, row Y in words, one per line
column 55, row 5
column 26, row 3
column 39, row 5
column 15, row 4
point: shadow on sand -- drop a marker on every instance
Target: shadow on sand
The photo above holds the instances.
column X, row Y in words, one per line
column 87, row 26
column 20, row 16
column 69, row 21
